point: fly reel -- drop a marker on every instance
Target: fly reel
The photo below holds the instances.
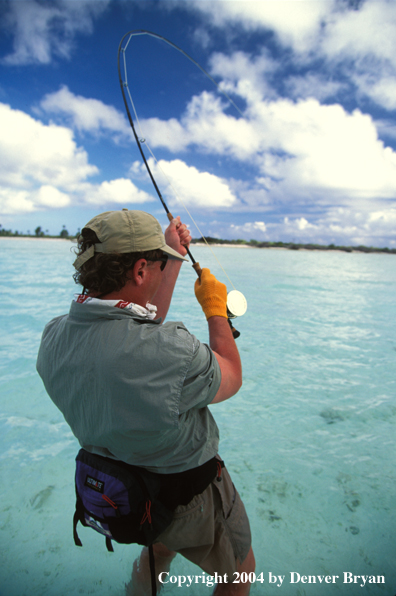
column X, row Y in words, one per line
column 236, row 304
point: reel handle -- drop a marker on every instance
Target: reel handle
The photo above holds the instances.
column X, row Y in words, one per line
column 235, row 333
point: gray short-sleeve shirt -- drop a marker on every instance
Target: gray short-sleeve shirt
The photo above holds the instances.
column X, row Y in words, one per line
column 131, row 388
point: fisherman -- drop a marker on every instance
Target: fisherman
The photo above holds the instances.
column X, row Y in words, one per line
column 136, row 390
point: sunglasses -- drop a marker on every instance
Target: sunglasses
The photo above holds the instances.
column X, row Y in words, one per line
column 163, row 259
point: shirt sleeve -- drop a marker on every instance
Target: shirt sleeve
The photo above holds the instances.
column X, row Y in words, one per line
column 202, row 380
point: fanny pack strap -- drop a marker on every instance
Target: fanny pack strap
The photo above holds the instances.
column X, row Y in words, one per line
column 152, row 571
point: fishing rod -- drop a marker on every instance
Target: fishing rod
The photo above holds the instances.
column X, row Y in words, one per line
column 236, row 302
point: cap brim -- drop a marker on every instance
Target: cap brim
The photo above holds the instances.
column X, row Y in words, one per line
column 172, row 253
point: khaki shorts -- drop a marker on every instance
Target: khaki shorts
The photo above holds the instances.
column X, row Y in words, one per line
column 213, row 530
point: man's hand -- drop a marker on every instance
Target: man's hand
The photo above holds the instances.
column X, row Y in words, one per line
column 211, row 294
column 178, row 236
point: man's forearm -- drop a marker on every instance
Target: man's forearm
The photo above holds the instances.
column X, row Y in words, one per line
column 224, row 347
column 164, row 294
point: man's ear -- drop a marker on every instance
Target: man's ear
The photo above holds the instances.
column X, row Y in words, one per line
column 138, row 272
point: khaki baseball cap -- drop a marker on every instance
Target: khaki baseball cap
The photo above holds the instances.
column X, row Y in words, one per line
column 126, row 231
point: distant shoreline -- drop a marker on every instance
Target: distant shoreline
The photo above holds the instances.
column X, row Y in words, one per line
column 46, row 238
column 222, row 244
column 293, row 246
column 239, row 244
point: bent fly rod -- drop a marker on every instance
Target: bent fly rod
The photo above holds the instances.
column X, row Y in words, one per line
column 236, row 302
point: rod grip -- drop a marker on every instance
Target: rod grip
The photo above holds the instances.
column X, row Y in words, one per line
column 170, row 216
column 197, row 268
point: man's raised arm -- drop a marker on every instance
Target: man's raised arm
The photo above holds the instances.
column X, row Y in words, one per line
column 212, row 296
column 178, row 237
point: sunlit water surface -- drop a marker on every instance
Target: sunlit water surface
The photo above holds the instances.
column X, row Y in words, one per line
column 309, row 439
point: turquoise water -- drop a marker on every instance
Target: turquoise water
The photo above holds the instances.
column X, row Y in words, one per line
column 309, row 439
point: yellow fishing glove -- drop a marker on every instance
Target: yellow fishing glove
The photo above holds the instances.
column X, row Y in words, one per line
column 211, row 294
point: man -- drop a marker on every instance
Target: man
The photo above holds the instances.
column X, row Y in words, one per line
column 136, row 390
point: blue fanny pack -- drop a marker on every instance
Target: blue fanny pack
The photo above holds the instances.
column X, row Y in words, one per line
column 129, row 504
column 122, row 504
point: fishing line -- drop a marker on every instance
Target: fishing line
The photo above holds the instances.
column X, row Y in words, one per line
column 151, row 34
column 237, row 300
column 143, row 140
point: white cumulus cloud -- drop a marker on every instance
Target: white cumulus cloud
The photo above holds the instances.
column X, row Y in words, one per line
column 193, row 187
column 359, row 39
column 369, row 30
column 43, row 30
column 204, row 125
column 299, row 27
column 121, row 191
column 32, row 153
column 244, row 75
column 322, row 147
column 41, row 167
column 49, row 196
column 299, row 148
column 85, row 114
column 256, row 228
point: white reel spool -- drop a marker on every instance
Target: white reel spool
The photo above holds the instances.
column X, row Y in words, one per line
column 236, row 304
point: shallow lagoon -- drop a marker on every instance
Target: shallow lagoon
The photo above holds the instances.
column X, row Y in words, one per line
column 309, row 439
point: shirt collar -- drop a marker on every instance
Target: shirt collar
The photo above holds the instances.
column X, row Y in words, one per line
column 148, row 312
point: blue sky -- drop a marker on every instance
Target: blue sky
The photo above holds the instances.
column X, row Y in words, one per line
column 308, row 156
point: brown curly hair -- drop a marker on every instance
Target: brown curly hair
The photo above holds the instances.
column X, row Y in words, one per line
column 106, row 272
